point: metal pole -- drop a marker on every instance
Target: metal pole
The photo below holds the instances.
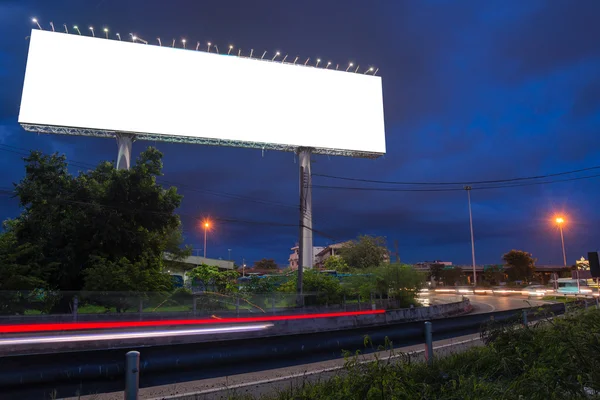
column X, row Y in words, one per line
column 468, row 189
column 132, row 375
column 562, row 241
column 124, row 142
column 428, row 343
column 205, row 229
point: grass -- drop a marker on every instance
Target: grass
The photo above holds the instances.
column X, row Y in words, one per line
column 555, row 359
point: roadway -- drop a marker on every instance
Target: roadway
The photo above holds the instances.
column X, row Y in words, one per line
column 259, row 368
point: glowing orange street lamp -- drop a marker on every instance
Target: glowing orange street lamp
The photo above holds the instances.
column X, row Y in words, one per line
column 560, row 222
column 206, row 225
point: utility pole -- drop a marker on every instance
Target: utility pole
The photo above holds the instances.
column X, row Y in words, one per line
column 468, row 189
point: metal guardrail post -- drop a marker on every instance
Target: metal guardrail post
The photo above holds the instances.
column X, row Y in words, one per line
column 132, row 375
column 428, row 343
column 524, row 317
column 75, row 307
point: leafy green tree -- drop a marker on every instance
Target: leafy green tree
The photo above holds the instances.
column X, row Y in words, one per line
column 493, row 274
column 211, row 279
column 519, row 265
column 319, row 288
column 365, row 252
column 336, row 263
column 435, row 271
column 397, row 281
column 120, row 219
column 259, row 285
column 452, row 276
column 266, row 264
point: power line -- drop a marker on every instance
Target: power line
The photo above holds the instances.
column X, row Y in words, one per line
column 460, row 183
column 454, row 189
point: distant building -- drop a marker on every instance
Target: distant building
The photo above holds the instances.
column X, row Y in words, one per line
column 294, row 256
column 326, row 252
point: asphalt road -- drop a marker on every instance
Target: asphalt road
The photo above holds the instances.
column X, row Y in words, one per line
column 485, row 304
column 178, row 380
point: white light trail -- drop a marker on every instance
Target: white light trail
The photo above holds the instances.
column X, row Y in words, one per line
column 131, row 335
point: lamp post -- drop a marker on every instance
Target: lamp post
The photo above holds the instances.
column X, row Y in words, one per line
column 560, row 221
column 206, row 226
column 468, row 189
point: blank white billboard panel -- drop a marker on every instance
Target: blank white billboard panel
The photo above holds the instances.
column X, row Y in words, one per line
column 104, row 86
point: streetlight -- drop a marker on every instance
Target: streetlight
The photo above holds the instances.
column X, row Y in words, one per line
column 468, row 189
column 206, row 225
column 560, row 221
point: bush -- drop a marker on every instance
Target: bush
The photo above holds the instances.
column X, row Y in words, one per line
column 556, row 359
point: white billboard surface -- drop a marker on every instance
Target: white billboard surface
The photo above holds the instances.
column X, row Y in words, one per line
column 101, row 87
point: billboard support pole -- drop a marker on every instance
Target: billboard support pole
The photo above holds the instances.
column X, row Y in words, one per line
column 305, row 250
column 124, row 142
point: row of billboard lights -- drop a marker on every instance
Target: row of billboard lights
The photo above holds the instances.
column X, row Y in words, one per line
column 135, row 39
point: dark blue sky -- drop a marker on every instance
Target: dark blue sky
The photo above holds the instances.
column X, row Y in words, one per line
column 472, row 91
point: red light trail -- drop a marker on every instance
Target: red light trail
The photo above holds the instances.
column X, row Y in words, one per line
column 77, row 326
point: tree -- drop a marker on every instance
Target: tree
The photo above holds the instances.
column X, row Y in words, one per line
column 493, row 274
column 319, row 288
column 266, row 265
column 365, row 252
column 452, row 276
column 435, row 271
column 118, row 219
column 211, row 279
column 336, row 263
column 519, row 265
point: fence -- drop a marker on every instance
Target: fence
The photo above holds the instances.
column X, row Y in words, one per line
column 49, row 305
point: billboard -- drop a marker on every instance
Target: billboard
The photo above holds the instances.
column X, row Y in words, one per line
column 93, row 86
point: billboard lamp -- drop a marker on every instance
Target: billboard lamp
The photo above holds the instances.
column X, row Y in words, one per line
column 376, row 71
column 197, row 45
column 284, row 58
column 183, row 41
column 119, row 36
column 66, row 29
column 52, row 25
column 208, row 48
column 307, row 60
column 349, row 65
column 239, row 52
column 77, row 29
column 106, row 32
column 369, row 70
column 92, row 29
column 173, row 44
column 251, row 51
column 217, row 49
column 34, row 20
column 159, row 41
column 275, row 56
column 230, row 48
column 357, row 67
column 263, row 56
column 295, row 59
column 328, row 64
